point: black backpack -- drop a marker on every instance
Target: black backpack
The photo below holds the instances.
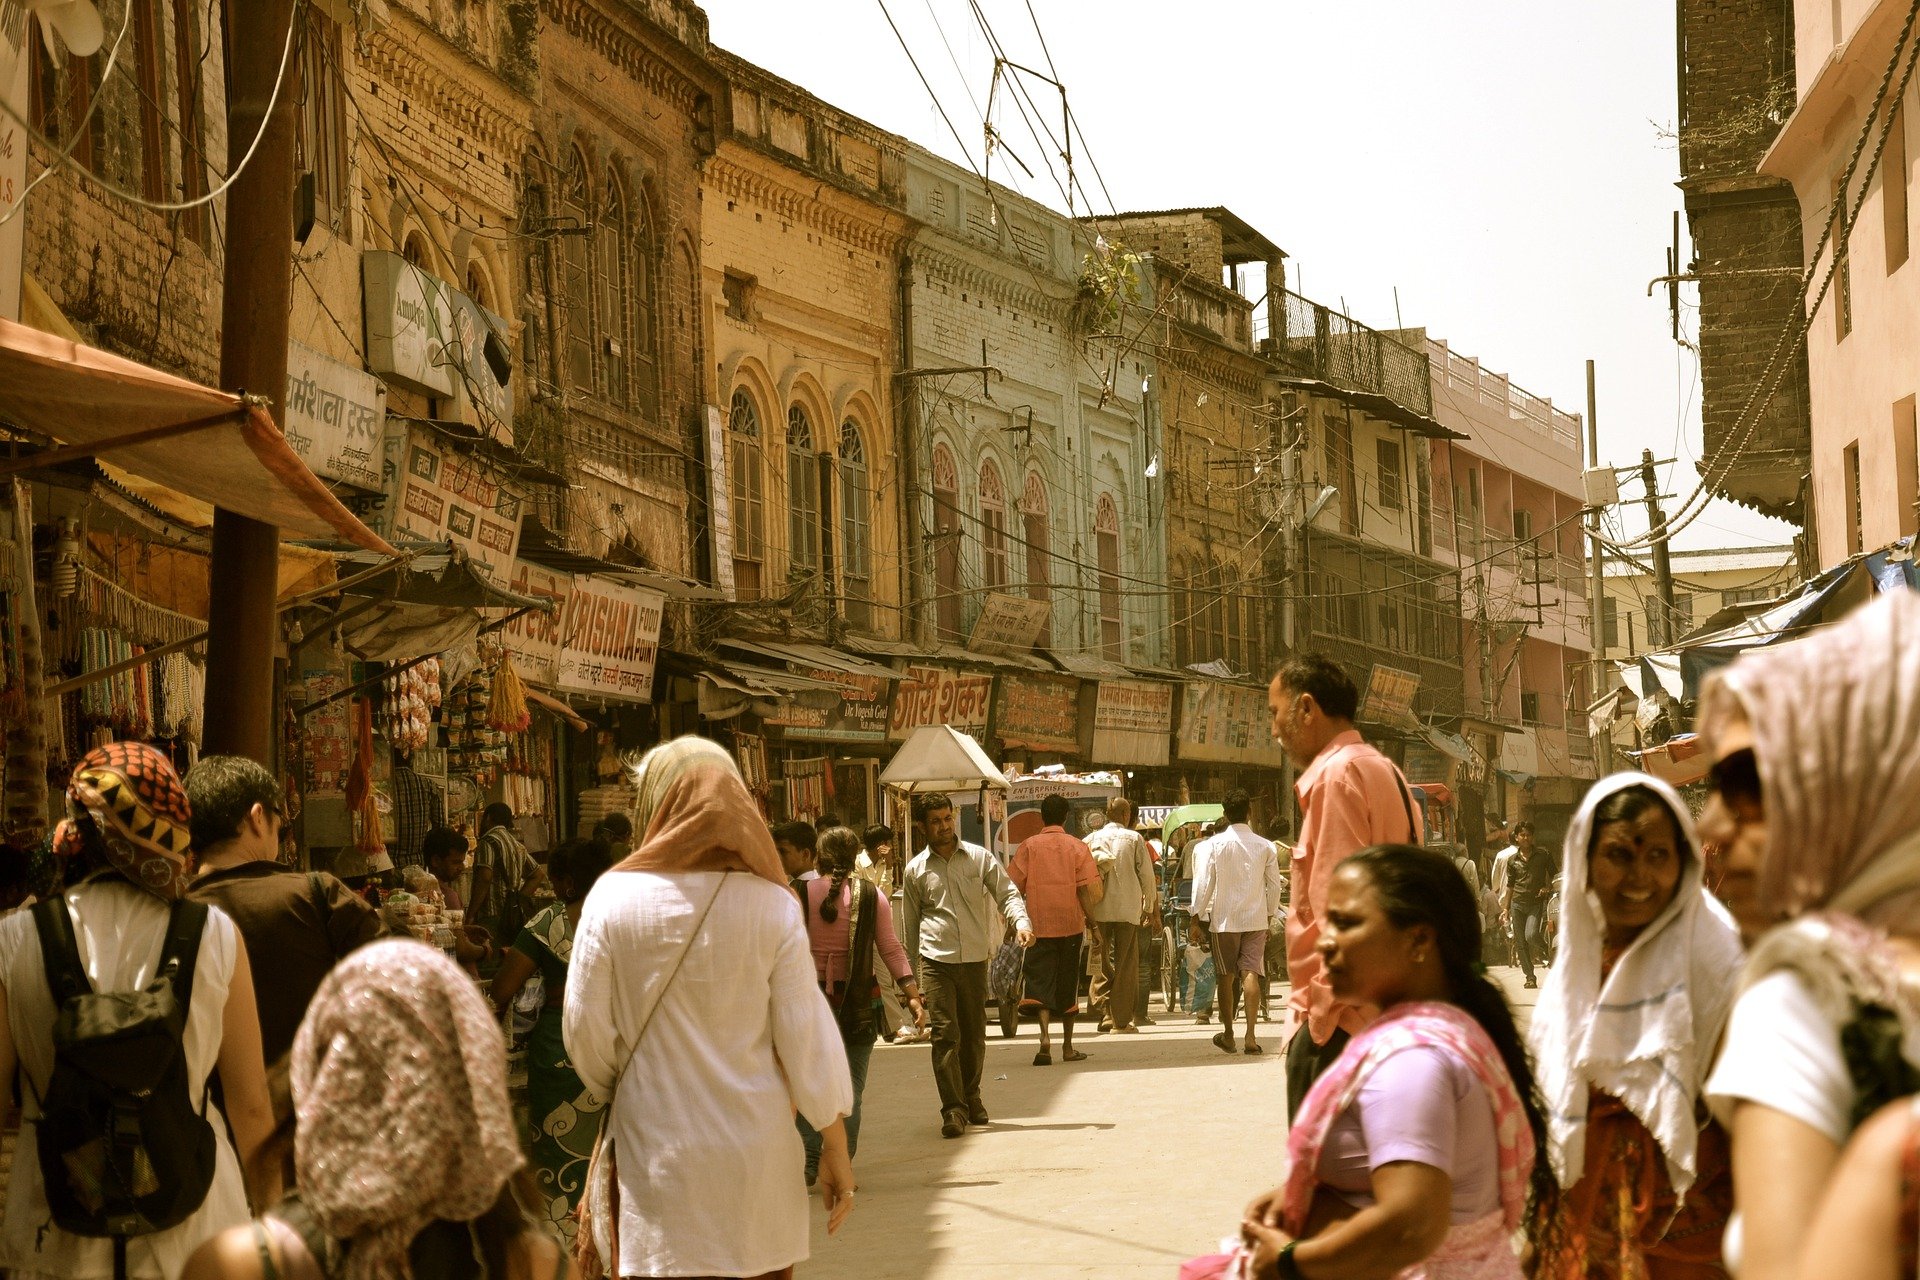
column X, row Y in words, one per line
column 123, row 1152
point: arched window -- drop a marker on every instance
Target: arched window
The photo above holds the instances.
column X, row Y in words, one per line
column 637, row 276
column 533, row 216
column 1106, row 534
column 414, row 250
column 993, row 528
column 611, row 289
column 803, row 493
column 748, row 484
column 856, row 523
column 946, row 541
column 1183, row 605
column 576, row 276
column 1033, row 512
column 1237, row 605
column 1216, row 622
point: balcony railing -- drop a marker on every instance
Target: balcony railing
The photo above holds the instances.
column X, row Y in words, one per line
column 1319, row 342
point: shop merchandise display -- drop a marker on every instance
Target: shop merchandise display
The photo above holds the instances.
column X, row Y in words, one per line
column 407, row 702
column 473, row 747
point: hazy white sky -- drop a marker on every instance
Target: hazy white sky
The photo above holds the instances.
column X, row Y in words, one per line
column 1503, row 163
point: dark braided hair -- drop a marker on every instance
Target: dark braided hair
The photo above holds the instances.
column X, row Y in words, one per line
column 839, row 846
column 1417, row 886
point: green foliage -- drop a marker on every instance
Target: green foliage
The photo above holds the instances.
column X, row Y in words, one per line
column 1109, row 279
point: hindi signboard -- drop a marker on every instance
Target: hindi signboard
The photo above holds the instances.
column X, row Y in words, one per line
column 857, row 714
column 939, row 695
column 1227, row 724
column 1389, row 697
column 16, row 56
column 445, row 496
column 610, row 639
column 1132, row 722
column 720, row 501
column 334, row 416
column 1009, row 624
column 534, row 638
column 1040, row 713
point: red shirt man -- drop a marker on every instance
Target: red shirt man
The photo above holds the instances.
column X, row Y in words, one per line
column 1350, row 797
column 1055, row 873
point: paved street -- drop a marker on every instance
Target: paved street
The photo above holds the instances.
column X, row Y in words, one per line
column 1120, row 1166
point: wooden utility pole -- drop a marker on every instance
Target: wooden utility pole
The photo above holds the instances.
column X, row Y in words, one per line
column 1603, row 748
column 263, row 69
column 1662, row 563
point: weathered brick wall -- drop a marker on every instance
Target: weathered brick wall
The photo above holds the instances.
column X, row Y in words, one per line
column 1735, row 90
column 1192, row 240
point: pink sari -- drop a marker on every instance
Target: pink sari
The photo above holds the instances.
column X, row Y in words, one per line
column 1478, row 1250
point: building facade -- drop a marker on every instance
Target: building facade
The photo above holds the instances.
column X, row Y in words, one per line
column 1705, row 583
column 1736, row 86
column 1864, row 370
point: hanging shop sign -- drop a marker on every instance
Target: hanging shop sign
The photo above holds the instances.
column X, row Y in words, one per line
column 334, row 416
column 1009, row 624
column 939, row 695
column 430, row 337
column 534, row 638
column 609, row 639
column 1227, row 724
column 1427, row 764
column 857, row 712
column 1132, row 721
column 1040, row 713
column 720, row 500
column 1389, row 697
column 445, row 496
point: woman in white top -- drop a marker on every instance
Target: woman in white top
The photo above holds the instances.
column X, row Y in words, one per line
column 1816, row 775
column 692, row 1003
column 125, row 845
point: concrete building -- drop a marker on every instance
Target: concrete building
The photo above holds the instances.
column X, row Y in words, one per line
column 1864, row 369
column 1704, row 583
column 1508, row 502
column 1736, row 85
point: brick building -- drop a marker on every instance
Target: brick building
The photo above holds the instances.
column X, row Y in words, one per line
column 1736, row 72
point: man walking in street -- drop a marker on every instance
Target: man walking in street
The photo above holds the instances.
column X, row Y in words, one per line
column 1239, row 889
column 504, row 882
column 297, row 926
column 1054, row 872
column 946, row 894
column 1130, row 903
column 1497, row 874
column 1523, row 903
column 1350, row 797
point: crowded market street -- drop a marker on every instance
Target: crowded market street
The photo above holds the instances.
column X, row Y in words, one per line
column 1121, row 1166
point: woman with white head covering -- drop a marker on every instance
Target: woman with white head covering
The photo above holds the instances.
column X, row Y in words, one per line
column 1622, row 1038
column 1815, row 747
column 692, row 1005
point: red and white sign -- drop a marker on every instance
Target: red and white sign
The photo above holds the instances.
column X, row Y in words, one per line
column 937, row 695
column 610, row 640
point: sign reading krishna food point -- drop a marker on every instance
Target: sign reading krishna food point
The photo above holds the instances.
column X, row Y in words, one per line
column 609, row 639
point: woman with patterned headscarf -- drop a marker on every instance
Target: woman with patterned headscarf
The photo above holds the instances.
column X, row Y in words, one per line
column 692, row 1006
column 1816, row 779
column 405, row 1155
column 124, row 845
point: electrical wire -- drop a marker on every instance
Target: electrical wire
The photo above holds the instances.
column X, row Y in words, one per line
column 63, row 158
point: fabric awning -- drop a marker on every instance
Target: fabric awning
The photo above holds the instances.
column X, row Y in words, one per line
column 145, row 420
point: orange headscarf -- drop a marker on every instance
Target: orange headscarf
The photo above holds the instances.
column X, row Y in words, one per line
column 695, row 814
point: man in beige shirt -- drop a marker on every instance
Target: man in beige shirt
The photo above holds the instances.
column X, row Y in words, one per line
column 1131, row 904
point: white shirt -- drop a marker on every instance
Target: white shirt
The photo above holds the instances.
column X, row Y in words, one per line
column 119, row 930
column 1237, row 884
column 1126, row 864
column 711, row 1167
column 1497, row 877
column 1782, row 1052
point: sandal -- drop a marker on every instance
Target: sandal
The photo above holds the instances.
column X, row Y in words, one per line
column 1073, row 1055
column 1223, row 1040
column 1043, row 1059
column 1253, row 1049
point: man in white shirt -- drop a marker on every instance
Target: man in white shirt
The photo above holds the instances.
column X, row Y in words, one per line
column 1131, row 903
column 1237, row 886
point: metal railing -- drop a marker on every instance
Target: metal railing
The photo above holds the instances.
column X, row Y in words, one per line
column 1319, row 342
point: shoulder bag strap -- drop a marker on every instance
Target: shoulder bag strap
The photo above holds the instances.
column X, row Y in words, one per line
column 59, row 952
column 184, row 927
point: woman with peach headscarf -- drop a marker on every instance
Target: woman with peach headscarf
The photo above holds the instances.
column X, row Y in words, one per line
column 1816, row 796
column 692, row 1004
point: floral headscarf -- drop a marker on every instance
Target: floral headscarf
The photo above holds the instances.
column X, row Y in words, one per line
column 400, row 1088
column 127, row 795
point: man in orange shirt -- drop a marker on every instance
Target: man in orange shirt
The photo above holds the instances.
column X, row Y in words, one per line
column 1350, row 797
column 1055, row 873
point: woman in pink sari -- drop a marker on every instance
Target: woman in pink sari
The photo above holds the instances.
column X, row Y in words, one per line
column 1413, row 1156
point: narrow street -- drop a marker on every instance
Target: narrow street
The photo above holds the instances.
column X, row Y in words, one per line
column 1120, row 1166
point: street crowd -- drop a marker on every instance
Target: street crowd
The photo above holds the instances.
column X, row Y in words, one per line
column 228, row 1070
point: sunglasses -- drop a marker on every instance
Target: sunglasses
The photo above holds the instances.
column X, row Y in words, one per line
column 1736, row 778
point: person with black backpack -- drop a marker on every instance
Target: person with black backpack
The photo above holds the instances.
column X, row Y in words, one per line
column 120, row 1004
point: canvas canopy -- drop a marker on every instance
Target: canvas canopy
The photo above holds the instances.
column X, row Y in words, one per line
column 938, row 757
column 208, row 444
